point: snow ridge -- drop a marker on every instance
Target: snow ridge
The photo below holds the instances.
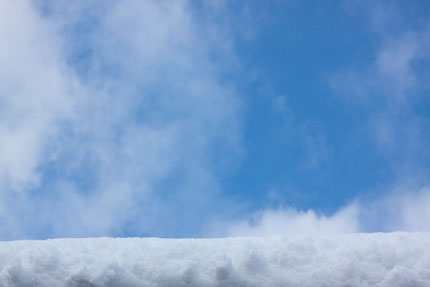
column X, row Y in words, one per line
column 380, row 259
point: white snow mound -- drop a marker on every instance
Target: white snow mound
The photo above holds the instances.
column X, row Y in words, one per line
column 393, row 259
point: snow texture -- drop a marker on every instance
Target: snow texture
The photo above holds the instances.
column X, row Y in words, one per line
column 391, row 260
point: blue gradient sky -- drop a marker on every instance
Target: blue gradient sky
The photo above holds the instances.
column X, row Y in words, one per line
column 213, row 118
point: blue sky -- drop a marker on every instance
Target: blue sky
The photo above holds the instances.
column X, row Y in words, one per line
column 213, row 118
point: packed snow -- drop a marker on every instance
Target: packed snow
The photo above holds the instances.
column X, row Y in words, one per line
column 391, row 259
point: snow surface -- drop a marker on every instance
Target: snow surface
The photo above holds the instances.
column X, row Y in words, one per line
column 392, row 259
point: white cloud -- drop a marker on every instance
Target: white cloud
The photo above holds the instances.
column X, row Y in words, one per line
column 292, row 222
column 414, row 210
column 101, row 106
column 403, row 209
column 34, row 92
column 400, row 209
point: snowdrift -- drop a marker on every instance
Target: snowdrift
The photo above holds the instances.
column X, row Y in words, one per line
column 395, row 259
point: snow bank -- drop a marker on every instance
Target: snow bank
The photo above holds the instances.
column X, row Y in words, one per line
column 396, row 259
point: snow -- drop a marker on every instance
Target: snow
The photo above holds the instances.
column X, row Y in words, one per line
column 380, row 259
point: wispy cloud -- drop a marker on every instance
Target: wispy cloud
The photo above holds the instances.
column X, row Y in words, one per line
column 386, row 89
column 389, row 88
column 35, row 93
column 100, row 105
column 314, row 145
column 119, row 117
